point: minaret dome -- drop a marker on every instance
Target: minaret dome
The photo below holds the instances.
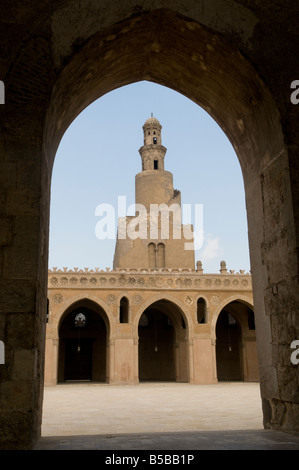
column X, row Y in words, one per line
column 152, row 131
column 152, row 152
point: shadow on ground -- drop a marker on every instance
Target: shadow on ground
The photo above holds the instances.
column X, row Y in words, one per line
column 207, row 440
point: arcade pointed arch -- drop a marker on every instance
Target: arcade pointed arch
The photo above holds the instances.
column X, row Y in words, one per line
column 83, row 335
column 163, row 343
column 236, row 353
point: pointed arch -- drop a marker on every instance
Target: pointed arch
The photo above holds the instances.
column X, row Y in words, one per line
column 94, row 301
column 172, row 300
column 163, row 342
column 236, row 352
column 83, row 337
column 247, row 300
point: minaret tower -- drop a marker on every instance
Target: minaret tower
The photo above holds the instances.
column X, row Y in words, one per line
column 153, row 187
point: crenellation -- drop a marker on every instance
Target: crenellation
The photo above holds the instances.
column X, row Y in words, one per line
column 96, row 270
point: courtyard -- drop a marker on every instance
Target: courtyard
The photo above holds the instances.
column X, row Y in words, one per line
column 84, row 409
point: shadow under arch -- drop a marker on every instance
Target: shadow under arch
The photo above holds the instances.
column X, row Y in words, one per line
column 240, row 298
column 93, row 301
column 171, row 300
column 84, row 333
column 178, row 52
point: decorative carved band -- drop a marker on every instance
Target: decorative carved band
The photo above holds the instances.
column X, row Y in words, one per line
column 147, row 279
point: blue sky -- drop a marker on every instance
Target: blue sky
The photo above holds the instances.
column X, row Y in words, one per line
column 97, row 161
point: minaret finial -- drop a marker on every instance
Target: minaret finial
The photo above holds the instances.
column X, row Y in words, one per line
column 152, row 114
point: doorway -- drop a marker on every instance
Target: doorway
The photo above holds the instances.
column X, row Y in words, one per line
column 82, row 345
column 162, row 335
column 156, row 347
column 228, row 348
column 236, row 351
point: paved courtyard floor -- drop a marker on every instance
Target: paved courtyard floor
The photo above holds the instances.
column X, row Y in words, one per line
column 157, row 416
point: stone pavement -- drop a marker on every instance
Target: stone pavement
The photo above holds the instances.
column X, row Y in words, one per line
column 161, row 416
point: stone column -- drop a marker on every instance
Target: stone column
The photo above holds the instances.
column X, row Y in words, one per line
column 136, row 360
column 110, row 360
column 267, row 370
column 24, row 201
column 274, row 265
column 51, row 361
column 124, row 360
column 204, row 361
column 191, row 361
column 182, row 361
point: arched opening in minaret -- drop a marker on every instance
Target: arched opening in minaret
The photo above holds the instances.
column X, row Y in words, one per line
column 152, row 255
column 161, row 255
column 162, row 354
column 82, row 344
